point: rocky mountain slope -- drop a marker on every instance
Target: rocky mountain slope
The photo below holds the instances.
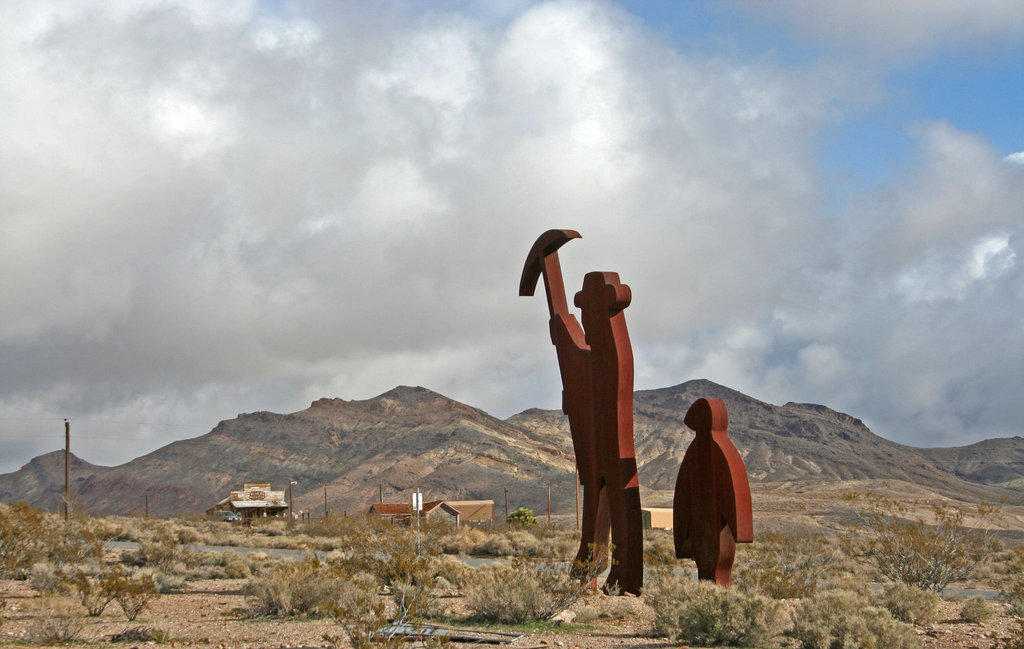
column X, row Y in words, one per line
column 412, row 437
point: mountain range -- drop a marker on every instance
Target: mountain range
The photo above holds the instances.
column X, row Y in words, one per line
column 351, row 452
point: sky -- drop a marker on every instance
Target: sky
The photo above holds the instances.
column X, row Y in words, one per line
column 211, row 208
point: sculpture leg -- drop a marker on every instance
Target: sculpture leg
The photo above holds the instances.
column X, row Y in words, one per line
column 726, row 555
column 592, row 556
column 627, row 570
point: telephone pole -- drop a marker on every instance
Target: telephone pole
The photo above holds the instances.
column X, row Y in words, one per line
column 325, row 501
column 549, row 505
column 506, row 504
column 67, row 470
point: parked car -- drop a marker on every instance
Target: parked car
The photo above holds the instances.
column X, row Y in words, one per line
column 227, row 517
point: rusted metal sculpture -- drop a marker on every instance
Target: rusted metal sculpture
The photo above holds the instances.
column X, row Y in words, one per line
column 596, row 364
column 711, row 510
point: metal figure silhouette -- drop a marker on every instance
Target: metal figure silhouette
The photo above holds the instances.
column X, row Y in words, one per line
column 596, row 364
column 711, row 510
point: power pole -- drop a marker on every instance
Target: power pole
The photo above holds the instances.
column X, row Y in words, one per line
column 506, row 504
column 381, row 487
column 325, row 501
column 67, row 470
column 147, row 506
column 549, row 505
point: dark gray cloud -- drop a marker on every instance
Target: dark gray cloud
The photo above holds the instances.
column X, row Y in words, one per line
column 203, row 214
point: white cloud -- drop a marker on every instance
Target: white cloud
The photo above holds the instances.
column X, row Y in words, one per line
column 208, row 214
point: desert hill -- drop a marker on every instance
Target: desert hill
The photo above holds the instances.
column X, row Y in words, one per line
column 412, row 437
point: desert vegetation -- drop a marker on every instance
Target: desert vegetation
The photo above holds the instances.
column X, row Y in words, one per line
column 347, row 578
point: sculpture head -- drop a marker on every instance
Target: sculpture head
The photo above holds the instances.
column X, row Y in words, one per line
column 706, row 415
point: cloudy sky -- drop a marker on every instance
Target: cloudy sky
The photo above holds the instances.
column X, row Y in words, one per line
column 209, row 208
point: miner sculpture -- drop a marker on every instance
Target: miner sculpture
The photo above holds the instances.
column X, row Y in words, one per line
column 711, row 512
column 595, row 360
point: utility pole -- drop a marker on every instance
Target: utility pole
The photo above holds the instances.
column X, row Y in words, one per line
column 67, row 470
column 381, row 487
column 549, row 505
column 147, row 506
column 325, row 501
column 291, row 516
column 506, row 504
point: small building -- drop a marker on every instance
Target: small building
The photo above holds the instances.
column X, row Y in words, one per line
column 474, row 511
column 452, row 511
column 657, row 518
column 253, row 500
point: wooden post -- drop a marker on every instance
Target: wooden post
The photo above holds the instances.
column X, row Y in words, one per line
column 506, row 504
column 325, row 501
column 147, row 506
column 381, row 487
column 67, row 470
column 549, row 505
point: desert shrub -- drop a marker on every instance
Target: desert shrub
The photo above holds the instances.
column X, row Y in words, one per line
column 45, row 579
column 167, row 583
column 525, row 589
column 838, row 619
column 452, row 571
column 465, row 540
column 292, row 588
column 1011, row 580
column 163, row 551
column 514, row 542
column 91, row 593
column 928, row 553
column 389, row 553
column 132, row 593
column 29, row 536
column 61, row 623
column 360, row 612
column 786, row 565
column 237, row 569
column 976, row 611
column 705, row 613
column 145, row 634
column 909, row 604
column 659, row 553
column 521, row 516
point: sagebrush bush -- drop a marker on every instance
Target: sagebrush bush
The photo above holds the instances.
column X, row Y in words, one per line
column 786, row 565
column 705, row 613
column 522, row 591
column 909, row 604
column 465, row 540
column 59, row 623
column 976, row 611
column 47, row 580
column 928, row 553
column 838, row 619
column 291, row 588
